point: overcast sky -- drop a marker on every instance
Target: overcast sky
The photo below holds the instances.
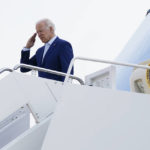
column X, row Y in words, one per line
column 95, row 28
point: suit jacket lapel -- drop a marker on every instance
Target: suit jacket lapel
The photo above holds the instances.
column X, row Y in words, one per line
column 50, row 50
column 41, row 56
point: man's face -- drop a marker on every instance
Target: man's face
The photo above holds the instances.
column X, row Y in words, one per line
column 45, row 33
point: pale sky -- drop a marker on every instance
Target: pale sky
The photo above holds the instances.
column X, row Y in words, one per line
column 95, row 28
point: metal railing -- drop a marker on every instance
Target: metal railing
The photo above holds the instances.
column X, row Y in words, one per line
column 48, row 71
column 5, row 69
column 68, row 74
column 101, row 61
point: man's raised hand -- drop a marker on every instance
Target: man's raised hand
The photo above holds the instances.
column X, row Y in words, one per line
column 31, row 41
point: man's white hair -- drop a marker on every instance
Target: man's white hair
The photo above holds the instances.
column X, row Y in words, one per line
column 48, row 22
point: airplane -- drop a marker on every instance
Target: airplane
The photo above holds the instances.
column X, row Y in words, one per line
column 136, row 51
column 109, row 109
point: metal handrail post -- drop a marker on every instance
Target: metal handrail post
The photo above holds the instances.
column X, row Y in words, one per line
column 69, row 69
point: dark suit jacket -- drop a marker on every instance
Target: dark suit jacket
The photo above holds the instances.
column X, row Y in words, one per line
column 57, row 58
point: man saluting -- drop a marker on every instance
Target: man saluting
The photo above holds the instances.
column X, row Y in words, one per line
column 56, row 54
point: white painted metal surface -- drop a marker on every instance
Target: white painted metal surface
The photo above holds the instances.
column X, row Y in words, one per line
column 40, row 98
column 11, row 99
column 101, row 119
column 105, row 78
column 86, row 117
column 138, row 81
column 14, row 125
column 18, row 90
column 31, row 139
column 11, row 96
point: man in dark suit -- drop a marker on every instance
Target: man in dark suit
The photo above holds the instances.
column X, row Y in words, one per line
column 56, row 54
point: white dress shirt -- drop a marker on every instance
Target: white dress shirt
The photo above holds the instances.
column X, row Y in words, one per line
column 47, row 46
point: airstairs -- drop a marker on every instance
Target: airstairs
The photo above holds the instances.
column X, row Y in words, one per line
column 71, row 116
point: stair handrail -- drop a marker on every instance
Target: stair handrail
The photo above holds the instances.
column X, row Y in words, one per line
column 101, row 61
column 5, row 69
column 48, row 71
